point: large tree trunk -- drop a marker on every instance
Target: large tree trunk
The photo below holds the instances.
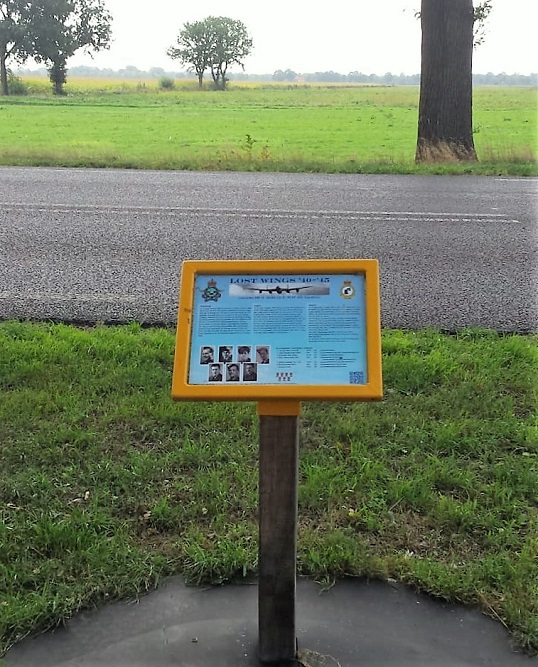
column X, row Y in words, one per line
column 57, row 75
column 445, row 118
column 3, row 73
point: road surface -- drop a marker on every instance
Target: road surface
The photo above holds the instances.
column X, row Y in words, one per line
column 107, row 245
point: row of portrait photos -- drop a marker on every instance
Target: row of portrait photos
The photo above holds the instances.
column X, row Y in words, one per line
column 225, row 354
column 233, row 372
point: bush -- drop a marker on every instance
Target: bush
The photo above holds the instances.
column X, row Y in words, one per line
column 16, row 85
column 166, row 83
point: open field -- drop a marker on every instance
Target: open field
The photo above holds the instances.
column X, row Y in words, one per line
column 329, row 128
column 107, row 485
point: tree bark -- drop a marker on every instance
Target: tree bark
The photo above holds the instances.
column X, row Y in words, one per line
column 57, row 75
column 3, row 73
column 445, row 119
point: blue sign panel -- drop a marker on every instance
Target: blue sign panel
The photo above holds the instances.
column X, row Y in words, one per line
column 272, row 329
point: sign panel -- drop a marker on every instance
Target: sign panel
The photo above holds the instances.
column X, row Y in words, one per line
column 252, row 330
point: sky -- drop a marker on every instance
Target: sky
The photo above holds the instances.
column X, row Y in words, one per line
column 369, row 36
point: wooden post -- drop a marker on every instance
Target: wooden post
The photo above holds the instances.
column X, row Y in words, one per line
column 278, row 475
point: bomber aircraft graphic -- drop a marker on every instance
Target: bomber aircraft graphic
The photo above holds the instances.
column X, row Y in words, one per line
column 279, row 289
column 276, row 289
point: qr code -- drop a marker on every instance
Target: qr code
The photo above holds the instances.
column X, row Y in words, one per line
column 356, row 377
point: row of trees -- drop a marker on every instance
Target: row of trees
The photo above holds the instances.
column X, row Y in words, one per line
column 389, row 79
column 50, row 32
column 289, row 76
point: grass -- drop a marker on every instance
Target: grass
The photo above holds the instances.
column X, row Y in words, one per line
column 108, row 486
column 348, row 129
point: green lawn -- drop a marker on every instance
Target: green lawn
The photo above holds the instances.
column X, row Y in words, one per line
column 107, row 485
column 300, row 128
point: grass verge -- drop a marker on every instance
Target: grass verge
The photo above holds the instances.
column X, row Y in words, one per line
column 335, row 129
column 107, row 485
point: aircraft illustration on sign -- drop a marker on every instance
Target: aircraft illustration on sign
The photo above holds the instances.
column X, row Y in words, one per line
column 278, row 289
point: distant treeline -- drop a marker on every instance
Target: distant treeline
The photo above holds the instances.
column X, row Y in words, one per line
column 289, row 76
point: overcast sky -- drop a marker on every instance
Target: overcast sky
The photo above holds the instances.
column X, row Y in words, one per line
column 370, row 36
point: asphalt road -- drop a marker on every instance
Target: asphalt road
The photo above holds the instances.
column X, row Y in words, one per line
column 107, row 245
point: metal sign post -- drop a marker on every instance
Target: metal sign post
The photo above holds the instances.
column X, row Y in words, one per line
column 278, row 332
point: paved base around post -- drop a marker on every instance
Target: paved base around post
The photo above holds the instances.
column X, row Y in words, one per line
column 355, row 624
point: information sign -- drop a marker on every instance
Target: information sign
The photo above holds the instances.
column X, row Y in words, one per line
column 250, row 330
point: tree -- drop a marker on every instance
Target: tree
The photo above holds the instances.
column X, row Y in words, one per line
column 215, row 43
column 14, row 19
column 195, row 46
column 445, row 122
column 287, row 75
column 232, row 46
column 51, row 31
column 62, row 27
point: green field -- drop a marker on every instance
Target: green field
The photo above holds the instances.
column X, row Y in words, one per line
column 107, row 485
column 352, row 129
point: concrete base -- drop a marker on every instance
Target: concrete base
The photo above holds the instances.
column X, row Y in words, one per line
column 355, row 624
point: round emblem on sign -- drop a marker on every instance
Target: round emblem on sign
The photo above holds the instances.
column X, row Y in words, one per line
column 211, row 292
column 347, row 291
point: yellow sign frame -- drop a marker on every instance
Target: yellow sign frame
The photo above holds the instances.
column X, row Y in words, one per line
column 270, row 393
